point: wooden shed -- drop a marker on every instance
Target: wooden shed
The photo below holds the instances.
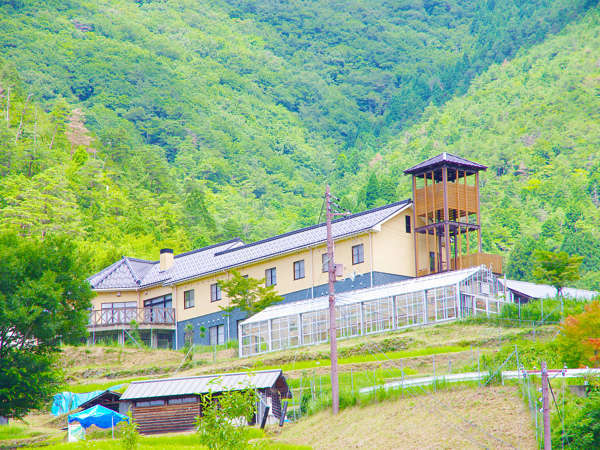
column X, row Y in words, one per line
column 173, row 404
column 108, row 399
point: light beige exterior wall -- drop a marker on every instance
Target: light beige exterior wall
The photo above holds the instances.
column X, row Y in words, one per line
column 114, row 297
column 314, row 276
column 388, row 250
column 393, row 247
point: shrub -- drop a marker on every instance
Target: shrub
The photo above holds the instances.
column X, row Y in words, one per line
column 582, row 425
column 129, row 434
column 578, row 338
column 220, row 427
column 533, row 310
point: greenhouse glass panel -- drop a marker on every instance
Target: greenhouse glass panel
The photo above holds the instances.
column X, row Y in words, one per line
column 409, row 308
column 284, row 333
column 379, row 315
column 446, row 303
column 315, row 327
column 347, row 318
column 431, row 316
column 255, row 338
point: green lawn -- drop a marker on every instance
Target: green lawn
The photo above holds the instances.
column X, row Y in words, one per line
column 369, row 357
column 11, row 432
column 172, row 442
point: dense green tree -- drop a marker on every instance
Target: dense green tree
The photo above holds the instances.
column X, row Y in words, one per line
column 557, row 269
column 44, row 299
column 248, row 294
column 521, row 260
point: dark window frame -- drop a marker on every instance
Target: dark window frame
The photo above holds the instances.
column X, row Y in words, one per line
column 325, row 263
column 271, row 277
column 299, row 270
column 215, row 292
column 217, row 328
column 358, row 256
column 407, row 223
column 186, row 299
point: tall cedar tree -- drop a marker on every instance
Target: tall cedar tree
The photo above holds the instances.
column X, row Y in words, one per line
column 43, row 302
column 248, row 294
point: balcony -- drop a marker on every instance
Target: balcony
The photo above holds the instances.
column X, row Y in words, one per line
column 494, row 262
column 118, row 318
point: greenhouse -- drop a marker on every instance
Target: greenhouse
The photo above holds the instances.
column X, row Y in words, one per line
column 418, row 301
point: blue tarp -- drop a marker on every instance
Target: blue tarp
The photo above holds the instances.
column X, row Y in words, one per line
column 68, row 401
column 98, row 415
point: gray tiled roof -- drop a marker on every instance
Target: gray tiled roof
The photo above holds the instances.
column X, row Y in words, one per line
column 124, row 274
column 445, row 158
column 234, row 253
column 169, row 387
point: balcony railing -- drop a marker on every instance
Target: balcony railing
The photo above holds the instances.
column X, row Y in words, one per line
column 494, row 262
column 124, row 316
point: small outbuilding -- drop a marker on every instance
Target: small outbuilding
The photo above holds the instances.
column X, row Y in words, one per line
column 109, row 399
column 173, row 404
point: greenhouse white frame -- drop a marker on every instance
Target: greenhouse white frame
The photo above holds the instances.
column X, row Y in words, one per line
column 418, row 301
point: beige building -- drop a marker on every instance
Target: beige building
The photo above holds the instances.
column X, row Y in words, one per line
column 178, row 293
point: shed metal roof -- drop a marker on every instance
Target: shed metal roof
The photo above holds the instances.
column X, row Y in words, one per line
column 131, row 273
column 534, row 290
column 445, row 159
column 361, row 295
column 169, row 387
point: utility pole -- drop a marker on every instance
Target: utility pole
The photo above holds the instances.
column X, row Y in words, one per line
column 546, row 407
column 331, row 269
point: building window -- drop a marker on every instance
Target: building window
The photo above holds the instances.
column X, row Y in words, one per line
column 188, row 299
column 215, row 292
column 325, row 262
column 166, row 301
column 431, row 261
column 271, row 276
column 358, row 254
column 217, row 335
column 299, row 270
column 407, row 222
column 150, row 403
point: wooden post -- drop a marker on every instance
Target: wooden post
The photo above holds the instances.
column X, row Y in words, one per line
column 335, row 399
column 435, row 235
column 446, row 216
column 426, row 223
column 546, row 407
column 466, row 211
column 478, row 209
column 414, row 225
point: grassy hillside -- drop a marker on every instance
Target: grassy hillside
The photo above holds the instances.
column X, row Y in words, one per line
column 535, row 121
column 217, row 119
column 463, row 418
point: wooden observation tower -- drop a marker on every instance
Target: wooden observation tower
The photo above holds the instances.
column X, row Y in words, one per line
column 446, row 216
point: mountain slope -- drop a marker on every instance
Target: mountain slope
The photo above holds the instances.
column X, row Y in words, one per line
column 536, row 122
column 213, row 119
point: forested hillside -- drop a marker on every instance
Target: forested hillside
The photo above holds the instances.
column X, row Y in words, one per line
column 201, row 120
column 536, row 122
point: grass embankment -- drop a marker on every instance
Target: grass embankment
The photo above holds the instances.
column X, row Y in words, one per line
column 493, row 417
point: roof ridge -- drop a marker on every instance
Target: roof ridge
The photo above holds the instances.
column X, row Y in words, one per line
column 207, row 376
column 114, row 266
column 202, row 249
column 142, row 260
column 137, row 279
column 312, row 227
